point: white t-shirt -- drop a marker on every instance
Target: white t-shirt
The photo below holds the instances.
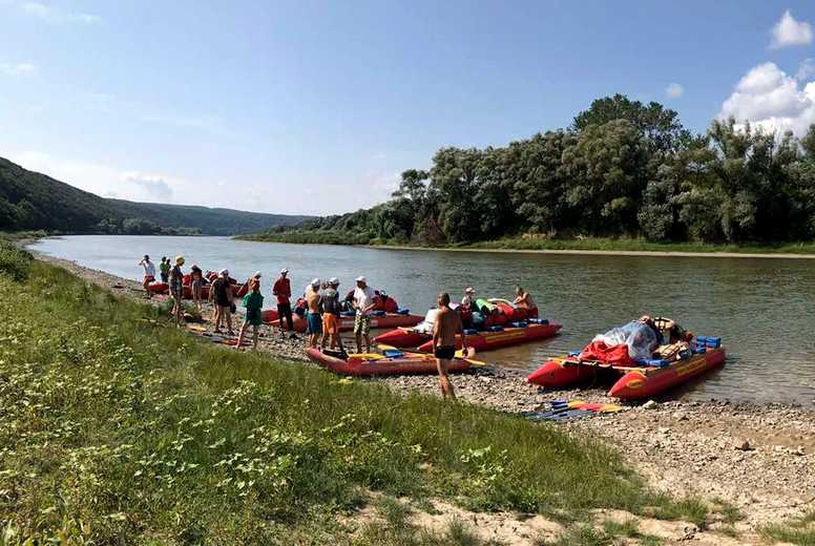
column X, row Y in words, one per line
column 149, row 269
column 363, row 297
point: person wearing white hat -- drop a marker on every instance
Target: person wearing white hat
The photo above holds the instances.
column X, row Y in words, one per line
column 282, row 290
column 331, row 307
column 313, row 318
column 469, row 298
column 221, row 294
column 364, row 304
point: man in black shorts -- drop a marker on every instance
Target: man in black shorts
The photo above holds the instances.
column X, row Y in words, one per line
column 445, row 328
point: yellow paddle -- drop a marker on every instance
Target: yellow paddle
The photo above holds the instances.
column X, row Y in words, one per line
column 459, row 354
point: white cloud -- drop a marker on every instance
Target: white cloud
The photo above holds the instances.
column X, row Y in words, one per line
column 805, row 70
column 789, row 32
column 18, row 69
column 674, row 90
column 55, row 15
column 769, row 98
column 155, row 185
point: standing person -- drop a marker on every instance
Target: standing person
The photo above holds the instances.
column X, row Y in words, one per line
column 445, row 328
column 177, row 289
column 221, row 293
column 196, row 285
column 524, row 300
column 149, row 274
column 253, row 302
column 164, row 269
column 282, row 289
column 313, row 318
column 364, row 304
column 331, row 307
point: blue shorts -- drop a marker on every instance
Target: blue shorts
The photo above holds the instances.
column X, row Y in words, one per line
column 315, row 323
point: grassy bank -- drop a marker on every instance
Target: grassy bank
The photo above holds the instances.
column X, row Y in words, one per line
column 528, row 243
column 117, row 427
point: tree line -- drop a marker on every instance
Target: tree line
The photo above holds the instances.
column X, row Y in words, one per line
column 622, row 169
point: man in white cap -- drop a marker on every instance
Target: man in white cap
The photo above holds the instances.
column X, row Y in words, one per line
column 313, row 318
column 364, row 304
column 469, row 298
column 330, row 307
column 282, row 289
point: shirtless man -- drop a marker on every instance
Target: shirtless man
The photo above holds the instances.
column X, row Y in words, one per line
column 445, row 328
column 315, row 321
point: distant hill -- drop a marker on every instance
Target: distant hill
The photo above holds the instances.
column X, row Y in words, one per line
column 34, row 201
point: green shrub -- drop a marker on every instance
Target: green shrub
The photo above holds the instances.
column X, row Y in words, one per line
column 14, row 261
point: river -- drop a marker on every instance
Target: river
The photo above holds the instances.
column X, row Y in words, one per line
column 762, row 308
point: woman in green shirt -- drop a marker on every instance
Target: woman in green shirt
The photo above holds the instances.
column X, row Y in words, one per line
column 253, row 302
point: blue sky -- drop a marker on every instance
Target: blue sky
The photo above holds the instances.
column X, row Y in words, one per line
column 316, row 107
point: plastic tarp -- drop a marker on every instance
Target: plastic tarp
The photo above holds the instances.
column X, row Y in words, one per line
column 623, row 345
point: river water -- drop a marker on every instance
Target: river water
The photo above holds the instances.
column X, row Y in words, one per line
column 762, row 308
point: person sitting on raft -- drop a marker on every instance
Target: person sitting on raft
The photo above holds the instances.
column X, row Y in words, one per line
column 524, row 300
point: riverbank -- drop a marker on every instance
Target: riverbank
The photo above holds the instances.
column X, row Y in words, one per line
column 117, row 425
column 758, row 457
column 534, row 245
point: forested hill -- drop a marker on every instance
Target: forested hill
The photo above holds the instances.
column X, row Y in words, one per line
column 34, row 201
column 621, row 169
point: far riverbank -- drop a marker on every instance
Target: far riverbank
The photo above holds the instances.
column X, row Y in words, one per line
column 589, row 246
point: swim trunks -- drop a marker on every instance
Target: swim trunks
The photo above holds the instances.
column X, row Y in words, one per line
column 315, row 323
column 362, row 324
column 444, row 353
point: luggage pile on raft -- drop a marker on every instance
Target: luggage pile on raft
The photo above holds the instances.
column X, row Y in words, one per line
column 496, row 323
column 645, row 358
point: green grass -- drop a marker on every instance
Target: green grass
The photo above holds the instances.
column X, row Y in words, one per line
column 115, row 425
column 800, row 530
column 533, row 243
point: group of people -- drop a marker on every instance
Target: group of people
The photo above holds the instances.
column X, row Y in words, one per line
column 323, row 309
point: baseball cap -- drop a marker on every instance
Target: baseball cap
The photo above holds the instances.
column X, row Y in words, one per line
column 360, row 279
column 334, row 281
column 257, row 275
column 223, row 272
column 469, row 290
column 315, row 282
column 284, row 271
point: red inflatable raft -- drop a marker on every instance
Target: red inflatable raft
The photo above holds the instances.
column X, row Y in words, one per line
column 374, row 364
column 636, row 382
column 388, row 320
column 484, row 341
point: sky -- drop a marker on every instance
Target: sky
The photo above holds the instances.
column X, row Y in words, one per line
column 316, row 107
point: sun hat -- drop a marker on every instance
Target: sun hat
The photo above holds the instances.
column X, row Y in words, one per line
column 469, row 290
column 361, row 278
column 284, row 271
column 315, row 282
column 179, row 260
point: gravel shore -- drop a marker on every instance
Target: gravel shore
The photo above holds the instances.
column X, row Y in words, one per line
column 761, row 458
